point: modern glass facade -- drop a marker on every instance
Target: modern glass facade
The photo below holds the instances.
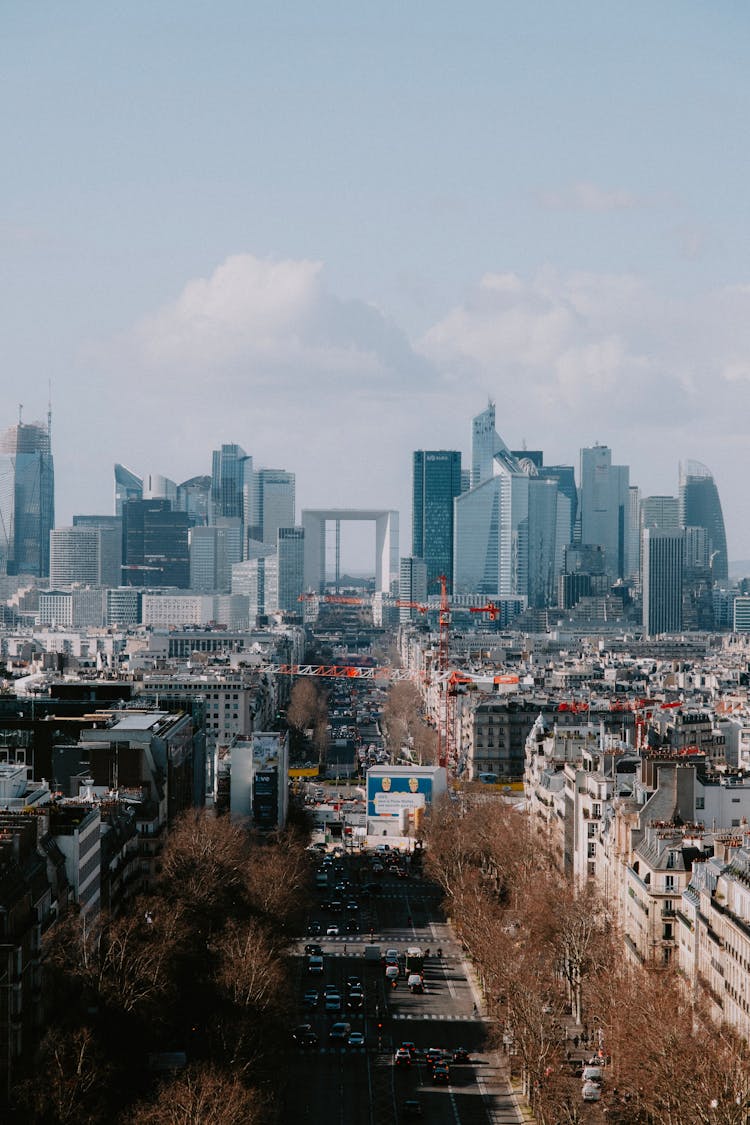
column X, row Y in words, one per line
column 155, row 545
column 27, row 499
column 436, row 483
column 273, row 503
column 700, row 506
column 230, row 469
column 291, row 555
column 605, row 507
column 663, row 554
column 128, row 486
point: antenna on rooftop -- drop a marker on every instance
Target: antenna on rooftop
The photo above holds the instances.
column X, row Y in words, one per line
column 20, row 413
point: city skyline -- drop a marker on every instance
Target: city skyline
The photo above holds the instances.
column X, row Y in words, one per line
column 342, row 231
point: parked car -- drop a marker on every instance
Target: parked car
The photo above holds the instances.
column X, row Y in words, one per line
column 591, row 1092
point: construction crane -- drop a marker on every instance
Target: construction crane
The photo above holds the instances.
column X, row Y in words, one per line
column 331, row 599
column 492, row 610
column 420, row 608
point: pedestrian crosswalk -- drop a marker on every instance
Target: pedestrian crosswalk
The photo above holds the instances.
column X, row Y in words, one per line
column 444, row 1016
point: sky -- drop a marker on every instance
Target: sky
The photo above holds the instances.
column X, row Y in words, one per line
column 331, row 232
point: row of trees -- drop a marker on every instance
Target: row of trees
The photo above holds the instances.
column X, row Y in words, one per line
column 404, row 725
column 544, row 953
column 198, row 966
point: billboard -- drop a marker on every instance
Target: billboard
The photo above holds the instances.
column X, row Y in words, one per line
column 388, row 794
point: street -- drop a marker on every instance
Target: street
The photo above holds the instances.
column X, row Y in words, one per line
column 334, row 1084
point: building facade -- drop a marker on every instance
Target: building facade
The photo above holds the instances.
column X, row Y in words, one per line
column 435, row 484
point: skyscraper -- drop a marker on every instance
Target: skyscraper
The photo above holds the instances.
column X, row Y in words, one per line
column 412, row 586
column 231, row 469
column 485, row 443
column 27, row 499
column 663, row 554
column 291, row 555
column 700, row 506
column 273, row 503
column 155, row 544
column 605, row 506
column 194, row 497
column 436, row 483
column 85, row 555
column 127, row 487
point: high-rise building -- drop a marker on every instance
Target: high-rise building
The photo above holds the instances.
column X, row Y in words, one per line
column 542, row 542
column 258, row 579
column 491, row 534
column 566, row 486
column 27, row 499
column 273, row 504
column 485, row 443
column 436, row 483
column 194, row 497
column 127, row 487
column 700, row 506
column 663, row 554
column 604, row 505
column 662, row 513
column 213, row 551
column 110, row 546
column 412, row 586
column 158, row 487
column 155, row 544
column 291, row 556
column 85, row 556
column 231, row 471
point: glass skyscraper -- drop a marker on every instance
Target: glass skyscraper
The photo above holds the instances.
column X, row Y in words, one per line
column 436, row 483
column 27, row 499
column 128, row 486
column 605, row 505
column 230, row 471
column 700, row 506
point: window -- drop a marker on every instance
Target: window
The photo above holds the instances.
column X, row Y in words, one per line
column 700, row 802
column 591, row 851
column 669, row 883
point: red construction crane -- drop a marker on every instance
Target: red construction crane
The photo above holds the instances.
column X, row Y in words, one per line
column 331, row 599
column 413, row 605
column 492, row 610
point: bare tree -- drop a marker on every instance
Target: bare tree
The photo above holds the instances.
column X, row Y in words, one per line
column 70, row 1080
column 205, row 1096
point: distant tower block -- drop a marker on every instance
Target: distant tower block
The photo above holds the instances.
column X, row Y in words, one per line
column 386, row 543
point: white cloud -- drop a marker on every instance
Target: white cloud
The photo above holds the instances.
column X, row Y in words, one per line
column 262, row 353
column 587, row 196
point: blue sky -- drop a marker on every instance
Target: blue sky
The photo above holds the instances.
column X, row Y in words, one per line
column 330, row 231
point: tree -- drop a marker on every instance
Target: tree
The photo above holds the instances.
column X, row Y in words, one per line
column 70, row 1080
column 306, row 706
column 204, row 1096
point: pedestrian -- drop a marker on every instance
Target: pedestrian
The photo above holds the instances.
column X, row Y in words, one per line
column 576, row 1041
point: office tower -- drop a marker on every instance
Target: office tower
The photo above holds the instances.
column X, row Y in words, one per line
column 110, row 546
column 700, row 506
column 436, row 483
column 604, row 503
column 194, row 497
column 412, row 587
column 542, row 542
column 258, row 580
column 85, row 556
column 273, row 504
column 663, row 553
column 491, row 533
column 485, row 444
column 583, row 574
column 213, row 551
column 741, row 615
column 529, row 459
column 157, row 487
column 662, row 513
column 697, row 582
column 291, row 573
column 27, row 499
column 127, row 487
column 231, row 469
column 155, row 544
column 123, row 606
column 566, row 486
column 465, row 480
column 633, row 535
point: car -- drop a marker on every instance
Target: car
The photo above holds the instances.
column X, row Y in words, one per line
column 434, row 1055
column 460, row 1055
column 356, row 1039
column 415, row 983
column 313, row 950
column 354, row 983
column 314, row 928
column 299, row 1032
column 335, row 907
column 355, row 1001
column 333, row 1003
column 407, row 1045
column 402, row 1057
column 440, row 1073
column 391, row 972
column 309, row 1040
column 391, row 957
column 331, row 990
column 332, row 930
column 591, row 1092
column 340, row 1032
column 311, row 998
column 352, row 926
column 592, row 1073
column 377, row 868
column 352, row 906
column 412, row 1108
